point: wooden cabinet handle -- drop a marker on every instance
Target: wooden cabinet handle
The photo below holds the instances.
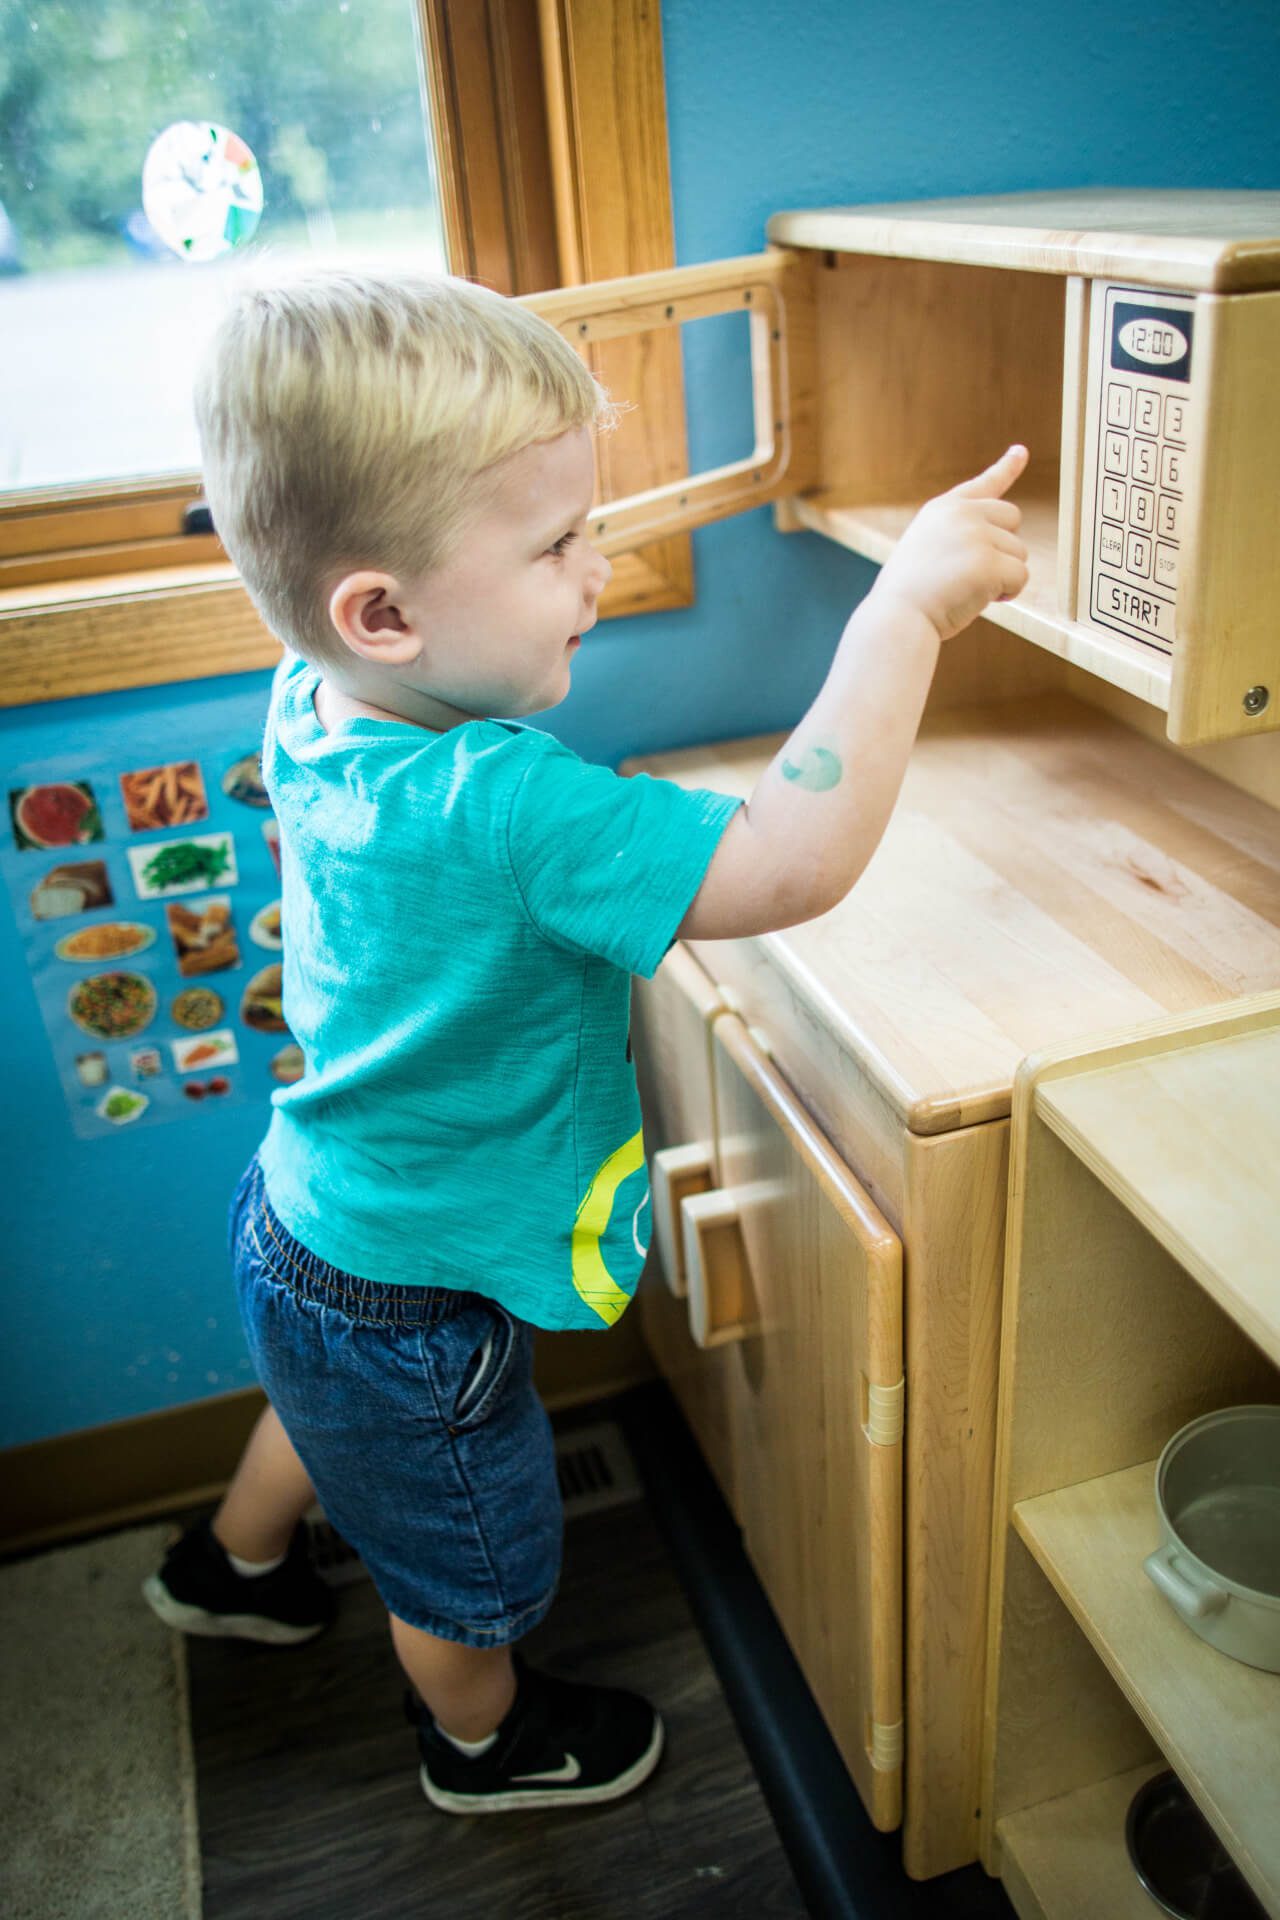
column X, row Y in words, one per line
column 722, row 1297
column 715, row 1263
column 776, row 289
column 676, row 1173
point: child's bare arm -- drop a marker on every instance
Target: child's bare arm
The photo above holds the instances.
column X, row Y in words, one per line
column 820, row 807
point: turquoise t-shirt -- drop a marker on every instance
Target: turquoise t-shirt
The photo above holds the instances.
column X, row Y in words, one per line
column 462, row 913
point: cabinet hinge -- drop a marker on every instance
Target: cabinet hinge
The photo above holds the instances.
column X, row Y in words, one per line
column 885, row 1745
column 883, row 1413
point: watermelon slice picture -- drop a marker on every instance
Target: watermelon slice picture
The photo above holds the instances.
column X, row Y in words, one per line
column 62, row 814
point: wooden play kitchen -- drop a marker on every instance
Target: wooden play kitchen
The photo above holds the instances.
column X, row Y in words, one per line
column 828, row 1108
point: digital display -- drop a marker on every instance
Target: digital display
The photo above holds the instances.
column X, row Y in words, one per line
column 1147, row 341
column 1151, row 340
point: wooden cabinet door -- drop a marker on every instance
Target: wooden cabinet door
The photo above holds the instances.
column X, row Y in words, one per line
column 776, row 289
column 816, row 1404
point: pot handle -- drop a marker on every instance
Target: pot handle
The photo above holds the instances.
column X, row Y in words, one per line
column 1186, row 1590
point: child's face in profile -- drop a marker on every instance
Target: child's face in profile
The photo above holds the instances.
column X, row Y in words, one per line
column 493, row 631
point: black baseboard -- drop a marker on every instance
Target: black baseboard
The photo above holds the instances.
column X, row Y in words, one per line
column 844, row 1868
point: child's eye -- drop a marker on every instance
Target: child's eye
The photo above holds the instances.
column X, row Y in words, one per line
column 561, row 545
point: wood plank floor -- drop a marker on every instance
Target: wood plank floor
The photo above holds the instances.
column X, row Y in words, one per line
column 310, row 1807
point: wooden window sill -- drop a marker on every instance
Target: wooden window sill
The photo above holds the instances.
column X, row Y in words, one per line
column 107, row 632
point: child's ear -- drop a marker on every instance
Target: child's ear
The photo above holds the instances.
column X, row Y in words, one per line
column 363, row 608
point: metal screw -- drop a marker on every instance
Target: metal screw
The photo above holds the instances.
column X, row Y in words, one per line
column 600, row 528
column 747, row 297
column 582, row 326
column 1257, row 700
column 670, row 311
column 684, row 499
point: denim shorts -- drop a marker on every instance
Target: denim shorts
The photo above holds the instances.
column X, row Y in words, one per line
column 414, row 1413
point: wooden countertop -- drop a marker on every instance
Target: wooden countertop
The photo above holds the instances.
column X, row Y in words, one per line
column 1047, row 874
column 1201, row 240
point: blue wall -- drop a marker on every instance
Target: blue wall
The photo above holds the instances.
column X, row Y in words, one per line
column 118, row 1298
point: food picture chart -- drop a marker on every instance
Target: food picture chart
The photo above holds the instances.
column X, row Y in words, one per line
column 145, row 884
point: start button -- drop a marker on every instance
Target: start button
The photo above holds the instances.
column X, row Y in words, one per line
column 1134, row 609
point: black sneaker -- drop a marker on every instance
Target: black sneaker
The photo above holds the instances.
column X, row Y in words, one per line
column 561, row 1745
column 198, row 1590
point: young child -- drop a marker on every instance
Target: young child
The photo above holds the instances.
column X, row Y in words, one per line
column 402, row 469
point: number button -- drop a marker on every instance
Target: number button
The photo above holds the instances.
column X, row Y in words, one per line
column 1111, row 545
column 1167, row 567
column 1138, row 557
column 1174, row 414
column 1113, row 499
column 1171, row 467
column 1142, row 508
column 1168, row 517
column 1148, row 411
column 1115, row 453
column 1145, row 455
column 1119, row 405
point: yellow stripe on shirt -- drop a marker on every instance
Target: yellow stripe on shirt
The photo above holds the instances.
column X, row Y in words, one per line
column 592, row 1280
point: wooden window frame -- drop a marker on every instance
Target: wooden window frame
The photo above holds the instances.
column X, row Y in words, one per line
column 549, row 124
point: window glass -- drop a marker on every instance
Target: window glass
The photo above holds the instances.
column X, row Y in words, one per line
column 144, row 150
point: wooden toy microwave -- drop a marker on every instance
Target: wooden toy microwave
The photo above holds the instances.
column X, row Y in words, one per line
column 1130, row 339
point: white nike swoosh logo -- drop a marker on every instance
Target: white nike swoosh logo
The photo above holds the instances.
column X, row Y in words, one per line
column 569, row 1771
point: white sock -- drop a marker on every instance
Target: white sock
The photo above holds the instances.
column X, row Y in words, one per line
column 253, row 1569
column 472, row 1748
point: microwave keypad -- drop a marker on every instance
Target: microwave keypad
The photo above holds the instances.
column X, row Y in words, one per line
column 1141, row 463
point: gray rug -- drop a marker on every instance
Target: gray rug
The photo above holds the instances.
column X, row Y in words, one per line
column 97, row 1782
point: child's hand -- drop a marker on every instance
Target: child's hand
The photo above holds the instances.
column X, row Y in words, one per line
column 962, row 550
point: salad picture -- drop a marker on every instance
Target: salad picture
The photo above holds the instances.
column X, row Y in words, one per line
column 121, row 1104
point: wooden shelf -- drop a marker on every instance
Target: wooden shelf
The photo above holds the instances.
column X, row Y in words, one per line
column 1066, row 1859
column 1215, row 1719
column 1189, row 1140
column 874, row 531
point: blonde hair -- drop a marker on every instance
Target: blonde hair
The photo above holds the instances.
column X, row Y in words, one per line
column 351, row 418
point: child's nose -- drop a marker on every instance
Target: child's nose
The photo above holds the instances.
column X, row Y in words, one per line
column 599, row 574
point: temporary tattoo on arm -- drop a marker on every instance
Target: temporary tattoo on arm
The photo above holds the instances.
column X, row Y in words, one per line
column 816, row 768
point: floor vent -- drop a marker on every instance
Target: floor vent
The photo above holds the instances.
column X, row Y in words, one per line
column 596, row 1470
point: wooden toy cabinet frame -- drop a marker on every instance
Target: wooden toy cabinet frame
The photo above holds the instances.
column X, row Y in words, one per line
column 1047, row 874
column 1140, row 1293
column 897, row 349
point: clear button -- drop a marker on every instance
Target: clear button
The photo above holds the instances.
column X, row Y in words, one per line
column 1111, row 545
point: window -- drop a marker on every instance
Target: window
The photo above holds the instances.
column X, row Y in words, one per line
column 141, row 152
column 534, row 164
